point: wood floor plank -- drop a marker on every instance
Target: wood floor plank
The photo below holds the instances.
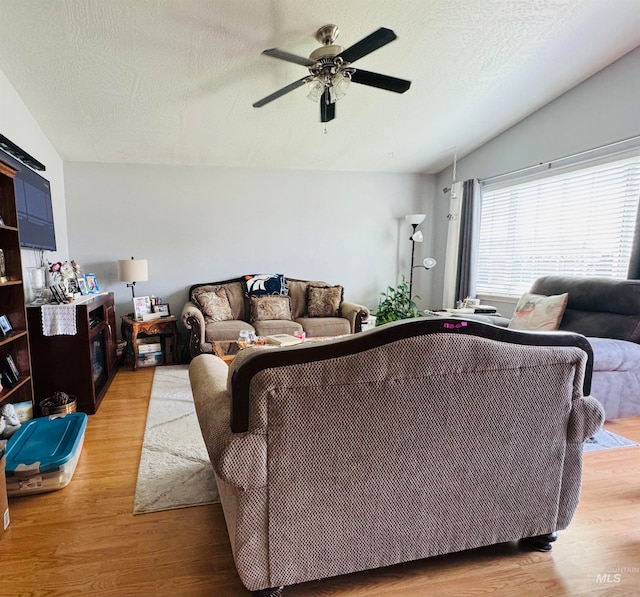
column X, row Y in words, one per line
column 85, row 540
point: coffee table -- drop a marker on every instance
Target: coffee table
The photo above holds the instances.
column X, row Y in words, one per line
column 228, row 349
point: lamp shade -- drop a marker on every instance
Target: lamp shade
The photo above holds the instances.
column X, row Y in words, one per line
column 417, row 237
column 429, row 262
column 133, row 270
column 415, row 219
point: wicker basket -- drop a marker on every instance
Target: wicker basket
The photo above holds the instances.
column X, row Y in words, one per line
column 48, row 408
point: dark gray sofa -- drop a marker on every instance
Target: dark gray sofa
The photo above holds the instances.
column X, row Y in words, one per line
column 607, row 312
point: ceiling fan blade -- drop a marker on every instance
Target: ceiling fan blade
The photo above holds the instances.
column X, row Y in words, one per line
column 365, row 46
column 280, row 92
column 275, row 53
column 364, row 77
column 327, row 109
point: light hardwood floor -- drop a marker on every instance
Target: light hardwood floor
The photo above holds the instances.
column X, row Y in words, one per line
column 84, row 539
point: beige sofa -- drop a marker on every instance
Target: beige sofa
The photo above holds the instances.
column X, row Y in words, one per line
column 208, row 325
column 410, row 440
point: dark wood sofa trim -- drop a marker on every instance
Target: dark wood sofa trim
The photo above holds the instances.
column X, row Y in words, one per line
column 195, row 333
column 391, row 332
column 192, row 288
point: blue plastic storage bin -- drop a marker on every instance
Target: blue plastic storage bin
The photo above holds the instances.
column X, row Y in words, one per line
column 43, row 453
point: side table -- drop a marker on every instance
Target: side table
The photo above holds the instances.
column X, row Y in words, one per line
column 163, row 327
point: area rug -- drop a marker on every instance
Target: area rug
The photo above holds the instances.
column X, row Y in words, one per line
column 604, row 440
column 175, row 471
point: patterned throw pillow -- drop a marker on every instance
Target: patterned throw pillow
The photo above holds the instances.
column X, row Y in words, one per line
column 538, row 312
column 324, row 301
column 262, row 284
column 270, row 307
column 213, row 302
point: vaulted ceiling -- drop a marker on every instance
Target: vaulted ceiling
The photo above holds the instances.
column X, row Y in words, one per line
column 173, row 82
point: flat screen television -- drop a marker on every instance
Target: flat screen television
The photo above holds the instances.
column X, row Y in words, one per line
column 35, row 212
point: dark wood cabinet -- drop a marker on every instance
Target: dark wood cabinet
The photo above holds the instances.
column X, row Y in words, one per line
column 82, row 365
column 14, row 343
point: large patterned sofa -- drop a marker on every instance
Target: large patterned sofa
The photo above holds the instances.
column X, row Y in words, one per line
column 413, row 439
column 266, row 305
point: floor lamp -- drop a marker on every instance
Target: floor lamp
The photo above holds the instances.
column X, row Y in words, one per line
column 416, row 237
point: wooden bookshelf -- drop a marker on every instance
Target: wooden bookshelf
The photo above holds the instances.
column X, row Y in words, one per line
column 15, row 343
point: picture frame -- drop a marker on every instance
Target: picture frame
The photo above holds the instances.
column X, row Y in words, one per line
column 92, row 283
column 82, row 287
column 58, row 293
column 11, row 364
column 72, row 286
column 5, row 325
column 141, row 306
column 163, row 309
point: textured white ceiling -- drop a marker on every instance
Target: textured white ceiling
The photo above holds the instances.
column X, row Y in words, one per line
column 172, row 82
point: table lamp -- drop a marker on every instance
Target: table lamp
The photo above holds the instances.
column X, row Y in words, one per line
column 132, row 271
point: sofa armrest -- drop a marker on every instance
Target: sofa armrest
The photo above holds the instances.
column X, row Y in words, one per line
column 193, row 320
column 498, row 320
column 587, row 417
column 240, row 459
column 356, row 314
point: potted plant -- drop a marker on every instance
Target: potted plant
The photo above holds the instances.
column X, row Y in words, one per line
column 396, row 304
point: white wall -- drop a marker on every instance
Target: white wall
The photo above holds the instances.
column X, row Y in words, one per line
column 603, row 109
column 199, row 224
column 17, row 124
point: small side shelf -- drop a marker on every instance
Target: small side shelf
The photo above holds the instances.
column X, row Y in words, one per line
column 164, row 328
column 12, row 336
column 23, row 380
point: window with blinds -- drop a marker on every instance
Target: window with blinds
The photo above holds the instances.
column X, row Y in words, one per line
column 579, row 222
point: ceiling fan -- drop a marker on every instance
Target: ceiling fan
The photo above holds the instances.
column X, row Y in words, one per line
column 331, row 70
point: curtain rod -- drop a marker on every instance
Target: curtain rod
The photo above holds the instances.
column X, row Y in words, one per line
column 567, row 157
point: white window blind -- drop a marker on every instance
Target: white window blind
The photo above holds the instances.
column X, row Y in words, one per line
column 577, row 223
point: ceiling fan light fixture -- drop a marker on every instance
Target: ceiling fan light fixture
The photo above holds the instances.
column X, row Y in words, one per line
column 316, row 89
column 339, row 86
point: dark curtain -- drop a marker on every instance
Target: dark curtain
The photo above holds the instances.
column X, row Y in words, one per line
column 634, row 262
column 463, row 279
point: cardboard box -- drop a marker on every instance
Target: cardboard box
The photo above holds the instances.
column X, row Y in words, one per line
column 4, row 500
